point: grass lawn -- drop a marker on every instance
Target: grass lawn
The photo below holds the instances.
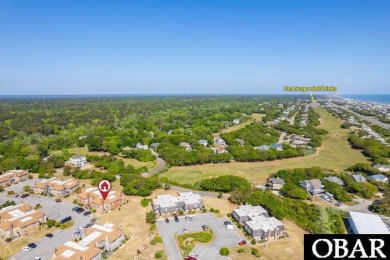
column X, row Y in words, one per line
column 188, row 241
column 335, row 153
column 138, row 164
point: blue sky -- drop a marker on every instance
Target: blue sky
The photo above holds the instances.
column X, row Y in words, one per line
column 193, row 46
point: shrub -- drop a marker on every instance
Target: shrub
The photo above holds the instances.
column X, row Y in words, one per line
column 38, row 206
column 204, row 210
column 254, row 251
column 151, row 217
column 8, row 239
column 220, row 195
column 50, row 223
column 158, row 239
column 153, row 242
column 224, row 251
column 145, row 202
column 75, row 201
column 216, row 211
column 93, row 210
column 157, row 255
column 241, row 250
column 253, row 242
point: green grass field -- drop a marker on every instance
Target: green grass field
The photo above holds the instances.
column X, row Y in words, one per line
column 335, row 153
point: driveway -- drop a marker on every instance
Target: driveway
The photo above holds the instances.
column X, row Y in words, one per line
column 53, row 210
column 160, row 164
column 223, row 237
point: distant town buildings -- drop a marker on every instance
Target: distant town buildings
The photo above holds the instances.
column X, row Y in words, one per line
column 184, row 201
column 78, row 160
column 92, row 198
column 257, row 222
column 20, row 220
column 13, row 177
column 56, row 187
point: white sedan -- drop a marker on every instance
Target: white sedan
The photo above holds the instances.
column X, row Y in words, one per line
column 26, row 249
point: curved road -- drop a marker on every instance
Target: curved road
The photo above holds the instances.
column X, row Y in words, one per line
column 160, row 164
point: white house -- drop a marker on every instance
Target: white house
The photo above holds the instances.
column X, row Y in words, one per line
column 313, row 186
column 141, row 146
column 382, row 167
column 78, row 160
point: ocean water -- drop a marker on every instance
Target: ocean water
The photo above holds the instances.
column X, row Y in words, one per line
column 382, row 98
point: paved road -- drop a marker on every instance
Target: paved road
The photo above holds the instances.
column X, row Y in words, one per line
column 372, row 120
column 160, row 164
column 223, row 237
column 53, row 210
column 281, row 138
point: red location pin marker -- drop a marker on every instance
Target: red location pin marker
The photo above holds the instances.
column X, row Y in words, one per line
column 104, row 188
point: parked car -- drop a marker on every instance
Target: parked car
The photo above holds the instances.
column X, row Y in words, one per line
column 243, row 242
column 87, row 213
column 187, row 218
column 205, row 227
column 32, row 245
column 79, row 210
column 75, row 208
column 166, row 220
column 26, row 249
column 191, row 218
column 383, row 217
column 176, row 218
column 62, row 221
column 88, row 225
column 17, row 195
column 49, row 235
column 184, row 230
column 25, row 195
column 38, row 258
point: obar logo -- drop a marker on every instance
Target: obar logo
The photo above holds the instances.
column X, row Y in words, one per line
column 347, row 247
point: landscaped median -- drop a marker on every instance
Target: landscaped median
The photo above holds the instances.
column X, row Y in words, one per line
column 188, row 241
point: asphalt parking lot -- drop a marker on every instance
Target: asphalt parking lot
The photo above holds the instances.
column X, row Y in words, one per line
column 223, row 237
column 53, row 210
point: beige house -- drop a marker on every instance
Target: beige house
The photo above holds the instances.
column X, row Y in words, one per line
column 92, row 198
column 276, row 183
column 56, row 187
column 95, row 239
column 20, row 220
column 13, row 176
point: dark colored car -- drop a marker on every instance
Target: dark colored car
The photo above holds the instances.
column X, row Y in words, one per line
column 65, row 220
column 75, row 208
column 166, row 220
column 79, row 210
column 25, row 195
column 49, row 235
column 87, row 213
column 205, row 227
column 32, row 245
column 176, row 218
column 243, row 242
column 17, row 195
column 88, row 225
